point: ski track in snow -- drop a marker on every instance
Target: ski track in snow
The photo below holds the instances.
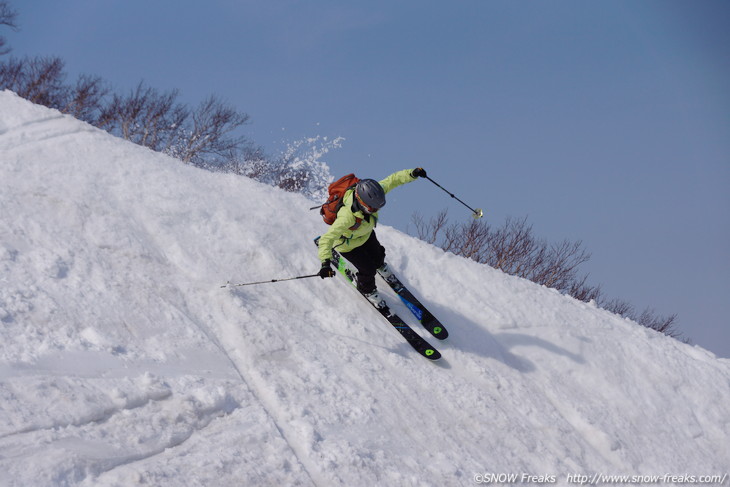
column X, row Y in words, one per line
column 125, row 363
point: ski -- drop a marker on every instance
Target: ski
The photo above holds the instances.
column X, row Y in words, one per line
column 423, row 315
column 415, row 340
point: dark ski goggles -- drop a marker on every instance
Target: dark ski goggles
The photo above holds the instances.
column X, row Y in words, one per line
column 368, row 209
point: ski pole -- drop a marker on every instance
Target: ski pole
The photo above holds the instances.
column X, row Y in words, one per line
column 477, row 213
column 228, row 284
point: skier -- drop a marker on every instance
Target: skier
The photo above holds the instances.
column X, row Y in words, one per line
column 353, row 231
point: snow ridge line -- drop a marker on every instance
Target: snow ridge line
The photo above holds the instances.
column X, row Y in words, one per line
column 87, row 470
column 252, row 385
column 102, row 417
column 39, row 130
column 29, row 123
column 206, row 416
column 594, row 437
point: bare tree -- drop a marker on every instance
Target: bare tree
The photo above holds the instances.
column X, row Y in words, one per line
column 41, row 80
column 429, row 232
column 156, row 120
column 145, row 117
column 514, row 249
column 581, row 290
column 10, row 72
column 85, row 101
column 210, row 132
column 38, row 79
column 648, row 318
column 662, row 324
column 7, row 18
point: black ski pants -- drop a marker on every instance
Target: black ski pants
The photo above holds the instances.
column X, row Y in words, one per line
column 367, row 258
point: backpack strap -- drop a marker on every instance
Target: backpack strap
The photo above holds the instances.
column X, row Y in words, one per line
column 341, row 203
column 358, row 222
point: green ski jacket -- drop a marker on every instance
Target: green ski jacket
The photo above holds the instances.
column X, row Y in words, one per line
column 340, row 236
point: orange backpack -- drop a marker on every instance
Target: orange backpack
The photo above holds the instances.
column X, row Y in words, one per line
column 336, row 191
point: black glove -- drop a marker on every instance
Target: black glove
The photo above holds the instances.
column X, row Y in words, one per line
column 326, row 270
column 418, row 172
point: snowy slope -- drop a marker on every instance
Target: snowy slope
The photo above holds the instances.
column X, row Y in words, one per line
column 123, row 362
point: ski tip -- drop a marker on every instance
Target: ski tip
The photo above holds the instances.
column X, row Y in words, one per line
column 436, row 329
column 441, row 333
column 431, row 354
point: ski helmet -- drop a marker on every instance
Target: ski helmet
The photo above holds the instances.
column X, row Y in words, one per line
column 369, row 195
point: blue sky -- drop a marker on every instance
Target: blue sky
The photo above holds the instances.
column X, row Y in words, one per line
column 601, row 121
